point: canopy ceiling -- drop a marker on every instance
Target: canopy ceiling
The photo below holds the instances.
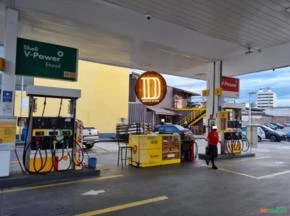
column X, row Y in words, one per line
column 181, row 37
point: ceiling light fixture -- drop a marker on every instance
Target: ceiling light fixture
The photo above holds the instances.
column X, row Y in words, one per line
column 249, row 51
column 287, row 9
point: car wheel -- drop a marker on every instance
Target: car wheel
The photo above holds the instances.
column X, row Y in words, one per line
column 259, row 139
column 273, row 138
column 89, row 146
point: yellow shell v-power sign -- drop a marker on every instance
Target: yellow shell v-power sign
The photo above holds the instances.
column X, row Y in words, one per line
column 150, row 88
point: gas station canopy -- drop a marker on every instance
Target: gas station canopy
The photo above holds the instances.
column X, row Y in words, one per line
column 179, row 38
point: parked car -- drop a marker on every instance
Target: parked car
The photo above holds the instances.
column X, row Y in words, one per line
column 288, row 136
column 287, row 124
column 274, row 136
column 280, row 126
column 260, row 133
column 90, row 136
column 174, row 128
column 274, row 127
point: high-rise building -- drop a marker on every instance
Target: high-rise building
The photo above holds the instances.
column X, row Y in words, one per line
column 266, row 98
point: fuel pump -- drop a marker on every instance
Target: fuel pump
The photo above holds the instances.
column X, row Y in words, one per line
column 230, row 127
column 51, row 141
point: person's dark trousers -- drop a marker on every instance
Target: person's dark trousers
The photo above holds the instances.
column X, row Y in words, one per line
column 212, row 150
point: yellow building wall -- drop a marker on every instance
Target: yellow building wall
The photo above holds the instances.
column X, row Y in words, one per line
column 104, row 96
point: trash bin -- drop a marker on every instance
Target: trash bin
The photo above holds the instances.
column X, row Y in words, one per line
column 92, row 162
column 187, row 150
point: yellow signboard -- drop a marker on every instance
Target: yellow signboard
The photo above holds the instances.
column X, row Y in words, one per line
column 7, row 135
column 205, row 93
column 7, row 131
column 222, row 120
column 218, row 91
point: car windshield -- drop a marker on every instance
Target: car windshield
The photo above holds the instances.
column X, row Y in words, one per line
column 268, row 128
column 179, row 127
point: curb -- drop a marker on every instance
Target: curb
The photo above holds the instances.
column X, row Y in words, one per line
column 227, row 157
column 41, row 179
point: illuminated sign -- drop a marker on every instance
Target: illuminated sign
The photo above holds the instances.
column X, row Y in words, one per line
column 150, row 88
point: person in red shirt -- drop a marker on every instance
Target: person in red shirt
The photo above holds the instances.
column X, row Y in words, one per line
column 213, row 140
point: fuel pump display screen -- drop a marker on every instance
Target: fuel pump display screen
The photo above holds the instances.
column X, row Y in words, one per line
column 47, row 130
column 52, row 122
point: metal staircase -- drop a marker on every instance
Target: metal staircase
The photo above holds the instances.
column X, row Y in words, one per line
column 194, row 116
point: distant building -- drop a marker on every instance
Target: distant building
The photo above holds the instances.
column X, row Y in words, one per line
column 266, row 98
column 262, row 116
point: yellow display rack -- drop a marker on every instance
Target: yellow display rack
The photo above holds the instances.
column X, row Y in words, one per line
column 154, row 150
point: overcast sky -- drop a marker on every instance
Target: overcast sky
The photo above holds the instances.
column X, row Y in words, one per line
column 278, row 81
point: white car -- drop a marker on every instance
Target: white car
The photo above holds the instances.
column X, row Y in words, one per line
column 90, row 136
column 260, row 133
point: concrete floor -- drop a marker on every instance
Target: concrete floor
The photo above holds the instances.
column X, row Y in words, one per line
column 241, row 187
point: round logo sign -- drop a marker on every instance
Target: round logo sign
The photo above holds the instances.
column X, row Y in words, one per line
column 150, row 88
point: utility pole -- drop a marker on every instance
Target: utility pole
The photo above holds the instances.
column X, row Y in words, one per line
column 250, row 110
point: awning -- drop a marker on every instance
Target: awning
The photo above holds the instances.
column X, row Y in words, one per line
column 161, row 111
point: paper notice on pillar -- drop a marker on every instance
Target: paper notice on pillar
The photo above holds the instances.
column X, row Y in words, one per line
column 7, row 109
column 7, row 105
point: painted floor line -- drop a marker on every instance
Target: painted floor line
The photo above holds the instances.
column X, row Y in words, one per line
column 261, row 158
column 238, row 173
column 14, row 162
column 254, row 177
column 124, row 206
column 249, row 158
column 274, row 174
column 59, row 184
column 103, row 149
column 263, row 150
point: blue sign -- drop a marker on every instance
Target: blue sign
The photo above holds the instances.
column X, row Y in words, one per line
column 7, row 96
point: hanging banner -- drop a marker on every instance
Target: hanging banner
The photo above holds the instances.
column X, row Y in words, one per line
column 39, row 59
column 231, row 87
